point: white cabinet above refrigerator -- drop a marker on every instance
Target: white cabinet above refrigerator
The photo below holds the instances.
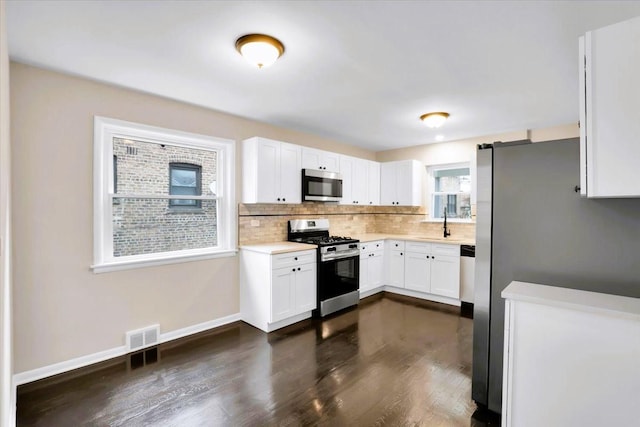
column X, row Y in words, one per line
column 610, row 110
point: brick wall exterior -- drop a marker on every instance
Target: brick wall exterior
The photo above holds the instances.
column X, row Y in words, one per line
column 142, row 226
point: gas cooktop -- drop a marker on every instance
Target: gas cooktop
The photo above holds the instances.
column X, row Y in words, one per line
column 315, row 232
column 328, row 240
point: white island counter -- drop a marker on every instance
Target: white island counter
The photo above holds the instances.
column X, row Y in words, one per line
column 571, row 357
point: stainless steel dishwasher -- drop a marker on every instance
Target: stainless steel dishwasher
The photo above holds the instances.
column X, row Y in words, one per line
column 467, row 277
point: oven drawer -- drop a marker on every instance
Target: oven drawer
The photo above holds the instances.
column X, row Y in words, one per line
column 293, row 258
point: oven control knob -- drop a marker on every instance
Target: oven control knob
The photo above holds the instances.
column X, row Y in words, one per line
column 353, row 246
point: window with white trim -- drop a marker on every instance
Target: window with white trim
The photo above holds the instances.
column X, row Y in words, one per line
column 450, row 191
column 174, row 197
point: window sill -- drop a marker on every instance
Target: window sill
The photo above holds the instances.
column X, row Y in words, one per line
column 451, row 220
column 173, row 210
column 107, row 267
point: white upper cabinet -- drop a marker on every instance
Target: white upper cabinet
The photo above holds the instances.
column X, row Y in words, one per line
column 610, row 111
column 356, row 181
column 271, row 171
column 401, row 183
column 320, row 160
column 373, row 184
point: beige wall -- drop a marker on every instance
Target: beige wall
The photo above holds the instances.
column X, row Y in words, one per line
column 62, row 309
column 7, row 395
column 464, row 150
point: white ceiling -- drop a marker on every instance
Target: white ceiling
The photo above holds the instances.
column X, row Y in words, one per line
column 360, row 72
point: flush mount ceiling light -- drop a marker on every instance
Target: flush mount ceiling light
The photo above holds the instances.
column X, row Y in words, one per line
column 259, row 49
column 434, row 120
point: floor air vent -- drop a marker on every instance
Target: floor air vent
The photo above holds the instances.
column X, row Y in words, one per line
column 141, row 338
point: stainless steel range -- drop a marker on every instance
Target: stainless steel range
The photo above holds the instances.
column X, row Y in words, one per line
column 338, row 264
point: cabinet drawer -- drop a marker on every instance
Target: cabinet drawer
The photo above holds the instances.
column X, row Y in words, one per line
column 444, row 249
column 396, row 245
column 368, row 247
column 418, row 247
column 293, row 258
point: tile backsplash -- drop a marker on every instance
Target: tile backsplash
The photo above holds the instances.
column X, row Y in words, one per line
column 264, row 223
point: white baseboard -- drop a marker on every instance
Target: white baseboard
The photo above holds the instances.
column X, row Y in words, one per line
column 82, row 361
column 422, row 295
column 369, row 292
column 200, row 327
column 67, row 365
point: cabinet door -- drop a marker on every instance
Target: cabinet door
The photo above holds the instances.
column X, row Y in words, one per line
column 359, row 178
column 388, row 191
column 268, row 176
column 290, row 179
column 364, row 272
column 283, row 293
column 376, row 269
column 305, row 288
column 445, row 276
column 346, row 170
column 330, row 161
column 373, row 183
column 417, row 271
column 320, row 160
column 408, row 179
column 612, row 103
column 311, row 158
column 396, row 269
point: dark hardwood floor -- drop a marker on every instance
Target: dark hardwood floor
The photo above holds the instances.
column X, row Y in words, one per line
column 391, row 361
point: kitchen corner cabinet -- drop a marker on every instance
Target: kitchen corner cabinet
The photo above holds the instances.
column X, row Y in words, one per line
column 371, row 265
column 360, row 181
column 401, row 183
column 271, row 171
column 277, row 290
column 320, row 160
column 609, row 105
column 426, row 268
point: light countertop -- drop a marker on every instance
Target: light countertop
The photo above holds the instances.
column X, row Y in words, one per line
column 594, row 302
column 284, row 247
column 370, row 237
column 278, row 247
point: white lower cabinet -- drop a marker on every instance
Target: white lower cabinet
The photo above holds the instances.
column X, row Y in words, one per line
column 425, row 270
column 445, row 276
column 395, row 263
column 371, row 265
column 277, row 290
column 417, row 270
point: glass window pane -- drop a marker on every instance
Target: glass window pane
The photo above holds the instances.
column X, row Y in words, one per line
column 458, row 205
column 146, row 226
column 452, row 180
column 143, row 167
column 183, row 178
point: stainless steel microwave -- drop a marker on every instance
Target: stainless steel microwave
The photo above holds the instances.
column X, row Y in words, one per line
column 321, row 186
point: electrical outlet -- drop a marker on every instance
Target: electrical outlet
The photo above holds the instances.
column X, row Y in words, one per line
column 255, row 223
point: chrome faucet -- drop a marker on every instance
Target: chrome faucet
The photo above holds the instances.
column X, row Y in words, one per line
column 446, row 232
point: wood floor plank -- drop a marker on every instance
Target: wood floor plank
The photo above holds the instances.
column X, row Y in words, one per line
column 388, row 362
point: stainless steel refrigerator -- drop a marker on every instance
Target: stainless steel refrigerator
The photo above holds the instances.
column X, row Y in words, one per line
column 533, row 226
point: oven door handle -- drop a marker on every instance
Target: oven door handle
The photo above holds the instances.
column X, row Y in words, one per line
column 346, row 254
